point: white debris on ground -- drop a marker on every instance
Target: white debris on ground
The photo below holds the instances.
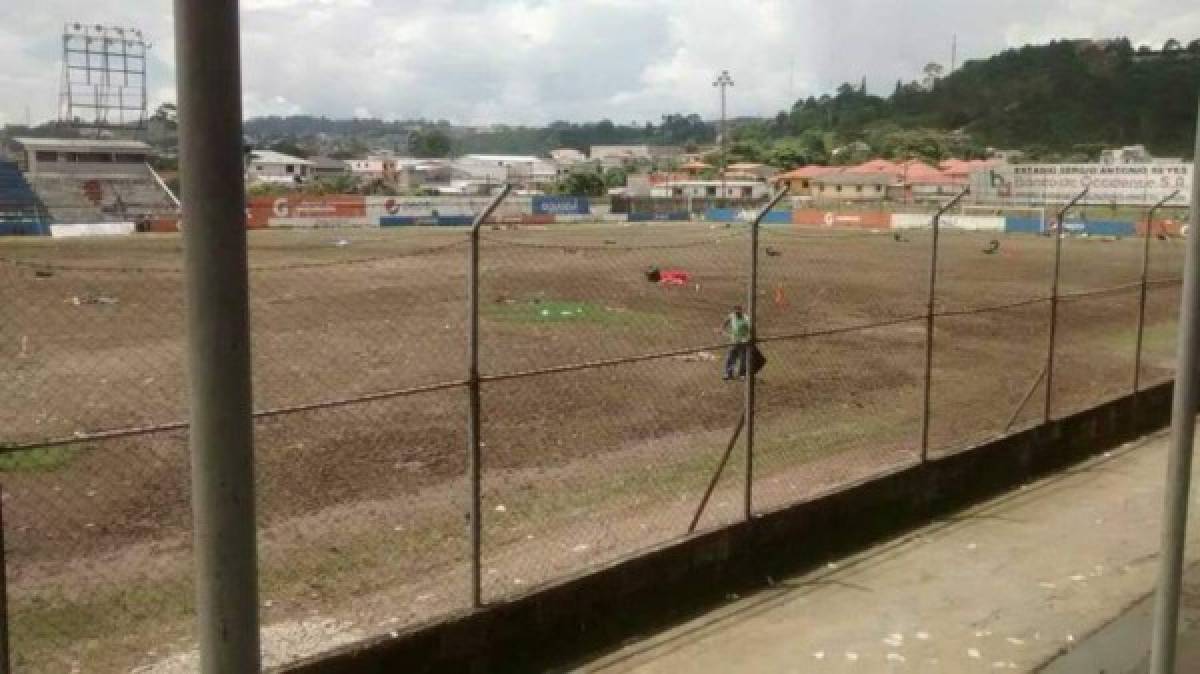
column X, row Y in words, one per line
column 281, row 643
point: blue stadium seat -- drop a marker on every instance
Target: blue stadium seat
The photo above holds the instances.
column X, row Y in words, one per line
column 21, row 213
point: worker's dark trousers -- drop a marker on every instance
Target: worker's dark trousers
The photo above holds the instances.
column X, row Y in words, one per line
column 736, row 356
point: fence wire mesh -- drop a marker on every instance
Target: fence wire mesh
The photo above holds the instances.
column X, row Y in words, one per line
column 605, row 418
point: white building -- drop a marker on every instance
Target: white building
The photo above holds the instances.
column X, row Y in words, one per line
column 503, row 168
column 1130, row 154
column 268, row 166
column 566, row 156
column 712, row 189
column 620, row 155
column 373, row 168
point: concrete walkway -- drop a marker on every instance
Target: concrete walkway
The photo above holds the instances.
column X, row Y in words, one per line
column 1011, row 585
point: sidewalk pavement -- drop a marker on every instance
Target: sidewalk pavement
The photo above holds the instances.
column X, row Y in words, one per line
column 1019, row 583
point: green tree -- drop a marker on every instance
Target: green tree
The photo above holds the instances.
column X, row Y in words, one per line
column 788, row 153
column 428, row 143
column 289, row 147
column 583, row 184
column 615, row 177
column 166, row 113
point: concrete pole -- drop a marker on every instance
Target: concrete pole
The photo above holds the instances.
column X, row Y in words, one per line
column 1179, row 462
column 214, row 238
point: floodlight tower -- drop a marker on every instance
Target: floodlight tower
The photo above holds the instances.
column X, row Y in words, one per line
column 723, row 81
column 103, row 77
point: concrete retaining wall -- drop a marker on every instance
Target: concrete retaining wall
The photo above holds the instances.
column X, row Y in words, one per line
column 598, row 609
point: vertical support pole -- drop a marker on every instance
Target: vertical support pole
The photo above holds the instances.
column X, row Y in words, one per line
column 5, row 658
column 474, row 474
column 1058, row 239
column 218, row 322
column 1179, row 462
column 751, row 346
column 929, row 306
column 1141, row 324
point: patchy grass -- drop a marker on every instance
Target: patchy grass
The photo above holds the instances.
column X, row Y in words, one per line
column 538, row 311
column 38, row 459
column 1158, row 339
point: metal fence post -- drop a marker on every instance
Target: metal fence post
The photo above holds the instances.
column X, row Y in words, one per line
column 474, row 476
column 748, row 360
column 221, row 433
column 1058, row 238
column 1179, row 462
column 1141, row 324
column 5, row 658
column 929, row 305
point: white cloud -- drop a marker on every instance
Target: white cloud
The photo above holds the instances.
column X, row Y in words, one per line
column 534, row 61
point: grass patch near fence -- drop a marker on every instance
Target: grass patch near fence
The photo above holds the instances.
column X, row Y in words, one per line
column 38, row 459
column 540, row 311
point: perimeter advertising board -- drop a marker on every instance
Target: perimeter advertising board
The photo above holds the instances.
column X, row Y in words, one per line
column 1123, row 184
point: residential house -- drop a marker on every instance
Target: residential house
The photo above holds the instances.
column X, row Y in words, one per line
column 373, row 168
column 853, row 186
column 712, row 189
column 269, row 166
column 327, row 168
column 799, row 181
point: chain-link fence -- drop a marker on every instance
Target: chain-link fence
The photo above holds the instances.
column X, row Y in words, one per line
column 605, row 424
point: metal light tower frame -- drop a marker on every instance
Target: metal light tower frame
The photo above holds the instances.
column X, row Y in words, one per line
column 723, row 81
column 103, row 76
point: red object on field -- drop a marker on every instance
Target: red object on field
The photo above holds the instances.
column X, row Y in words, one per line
column 675, row 277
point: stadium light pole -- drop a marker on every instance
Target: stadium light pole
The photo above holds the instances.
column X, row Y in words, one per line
column 1179, row 461
column 221, row 435
column 723, row 81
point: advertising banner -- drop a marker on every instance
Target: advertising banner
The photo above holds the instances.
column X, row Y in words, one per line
column 1123, row 184
column 814, row 217
column 560, row 205
column 92, row 229
column 260, row 211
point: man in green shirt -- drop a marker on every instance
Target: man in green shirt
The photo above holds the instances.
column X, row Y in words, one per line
column 738, row 325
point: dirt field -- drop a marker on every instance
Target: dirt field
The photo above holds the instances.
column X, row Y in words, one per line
column 361, row 505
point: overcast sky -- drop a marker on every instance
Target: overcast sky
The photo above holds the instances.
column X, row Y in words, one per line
column 532, row 61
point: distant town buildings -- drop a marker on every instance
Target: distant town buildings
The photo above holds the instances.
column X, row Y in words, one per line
column 568, row 156
column 525, row 171
column 611, row 156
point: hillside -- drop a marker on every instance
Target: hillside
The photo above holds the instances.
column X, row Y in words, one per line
column 1069, row 93
column 1064, row 99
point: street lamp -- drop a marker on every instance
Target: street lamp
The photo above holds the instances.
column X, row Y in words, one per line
column 723, row 80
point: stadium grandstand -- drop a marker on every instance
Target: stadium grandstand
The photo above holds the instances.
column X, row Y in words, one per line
column 95, row 181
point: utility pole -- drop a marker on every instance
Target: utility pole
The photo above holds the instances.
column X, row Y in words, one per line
column 954, row 52
column 722, row 82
